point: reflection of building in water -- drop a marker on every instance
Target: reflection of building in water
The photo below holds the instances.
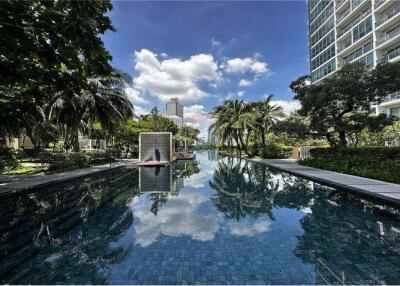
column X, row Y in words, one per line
column 155, row 179
column 159, row 180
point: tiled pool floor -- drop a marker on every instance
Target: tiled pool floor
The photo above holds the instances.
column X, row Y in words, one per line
column 213, row 221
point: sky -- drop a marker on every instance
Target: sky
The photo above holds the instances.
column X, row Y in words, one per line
column 205, row 52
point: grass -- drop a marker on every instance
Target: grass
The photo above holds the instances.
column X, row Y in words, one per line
column 26, row 170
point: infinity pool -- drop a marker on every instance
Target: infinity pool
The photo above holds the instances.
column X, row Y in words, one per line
column 212, row 221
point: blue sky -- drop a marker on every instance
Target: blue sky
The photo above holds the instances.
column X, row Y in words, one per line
column 205, row 52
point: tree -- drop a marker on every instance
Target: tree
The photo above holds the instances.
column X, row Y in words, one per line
column 127, row 135
column 231, row 122
column 49, row 49
column 189, row 133
column 104, row 101
column 334, row 104
column 265, row 116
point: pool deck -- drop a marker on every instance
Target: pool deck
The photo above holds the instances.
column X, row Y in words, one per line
column 384, row 191
column 11, row 184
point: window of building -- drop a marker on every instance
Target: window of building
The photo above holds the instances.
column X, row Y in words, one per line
column 325, row 42
column 322, row 32
column 323, row 57
column 395, row 111
column 362, row 29
column 323, row 71
column 322, row 18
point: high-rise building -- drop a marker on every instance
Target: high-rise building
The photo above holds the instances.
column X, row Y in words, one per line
column 344, row 31
column 174, row 107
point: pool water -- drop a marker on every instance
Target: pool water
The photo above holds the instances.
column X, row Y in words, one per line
column 211, row 221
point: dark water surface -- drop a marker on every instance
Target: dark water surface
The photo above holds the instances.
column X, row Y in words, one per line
column 212, row 221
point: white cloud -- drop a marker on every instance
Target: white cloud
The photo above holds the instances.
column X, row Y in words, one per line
column 196, row 116
column 246, row 65
column 135, row 97
column 140, row 110
column 215, row 43
column 288, row 105
column 245, row 82
column 174, row 77
column 240, row 93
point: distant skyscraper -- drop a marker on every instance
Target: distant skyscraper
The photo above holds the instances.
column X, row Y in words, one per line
column 174, row 107
column 344, row 31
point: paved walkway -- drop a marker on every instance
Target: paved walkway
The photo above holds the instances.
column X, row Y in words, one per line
column 15, row 183
column 383, row 191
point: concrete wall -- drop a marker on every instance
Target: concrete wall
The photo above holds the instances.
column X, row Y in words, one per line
column 149, row 142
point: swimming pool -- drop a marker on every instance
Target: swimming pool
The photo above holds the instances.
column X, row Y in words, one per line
column 212, row 221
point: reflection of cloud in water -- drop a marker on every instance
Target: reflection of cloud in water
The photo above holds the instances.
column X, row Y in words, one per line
column 200, row 179
column 179, row 216
column 248, row 227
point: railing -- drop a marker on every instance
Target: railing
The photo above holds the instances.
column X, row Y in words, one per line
column 344, row 15
column 388, row 15
column 353, row 23
column 379, row 3
column 356, row 3
column 393, row 54
column 345, row 46
column 339, row 2
column 389, row 36
column 391, row 97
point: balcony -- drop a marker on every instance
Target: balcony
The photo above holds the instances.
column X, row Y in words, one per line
column 344, row 46
column 389, row 56
column 389, row 36
column 353, row 23
column 390, row 14
column 344, row 15
column 392, row 97
column 379, row 3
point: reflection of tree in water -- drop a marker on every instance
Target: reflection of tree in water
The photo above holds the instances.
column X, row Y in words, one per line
column 342, row 233
column 239, row 191
column 343, row 239
column 180, row 170
column 185, row 169
column 158, row 200
column 73, row 223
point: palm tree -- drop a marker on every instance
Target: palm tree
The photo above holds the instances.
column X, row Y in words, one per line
column 265, row 116
column 231, row 122
column 103, row 101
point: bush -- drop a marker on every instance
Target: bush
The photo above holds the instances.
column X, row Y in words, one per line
column 382, row 163
column 8, row 159
column 274, row 151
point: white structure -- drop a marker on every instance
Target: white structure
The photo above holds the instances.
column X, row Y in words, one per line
column 176, row 119
column 344, row 31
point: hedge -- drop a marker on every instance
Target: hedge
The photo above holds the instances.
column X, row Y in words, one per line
column 382, row 163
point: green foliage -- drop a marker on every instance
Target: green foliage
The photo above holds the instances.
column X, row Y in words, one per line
column 274, row 151
column 55, row 72
column 8, row 159
column 339, row 107
column 382, row 163
column 189, row 133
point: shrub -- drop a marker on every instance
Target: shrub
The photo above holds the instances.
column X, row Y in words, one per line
column 274, row 151
column 382, row 163
column 8, row 159
column 115, row 153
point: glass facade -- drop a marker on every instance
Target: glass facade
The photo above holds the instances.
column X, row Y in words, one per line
column 395, row 111
column 323, row 71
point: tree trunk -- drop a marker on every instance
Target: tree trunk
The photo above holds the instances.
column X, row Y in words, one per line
column 342, row 139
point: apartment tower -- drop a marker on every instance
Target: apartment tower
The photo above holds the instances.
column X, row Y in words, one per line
column 344, row 31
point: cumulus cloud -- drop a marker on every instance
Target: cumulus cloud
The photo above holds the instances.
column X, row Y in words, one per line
column 196, row 116
column 135, row 97
column 174, row 77
column 288, row 105
column 240, row 93
column 246, row 65
column 245, row 82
